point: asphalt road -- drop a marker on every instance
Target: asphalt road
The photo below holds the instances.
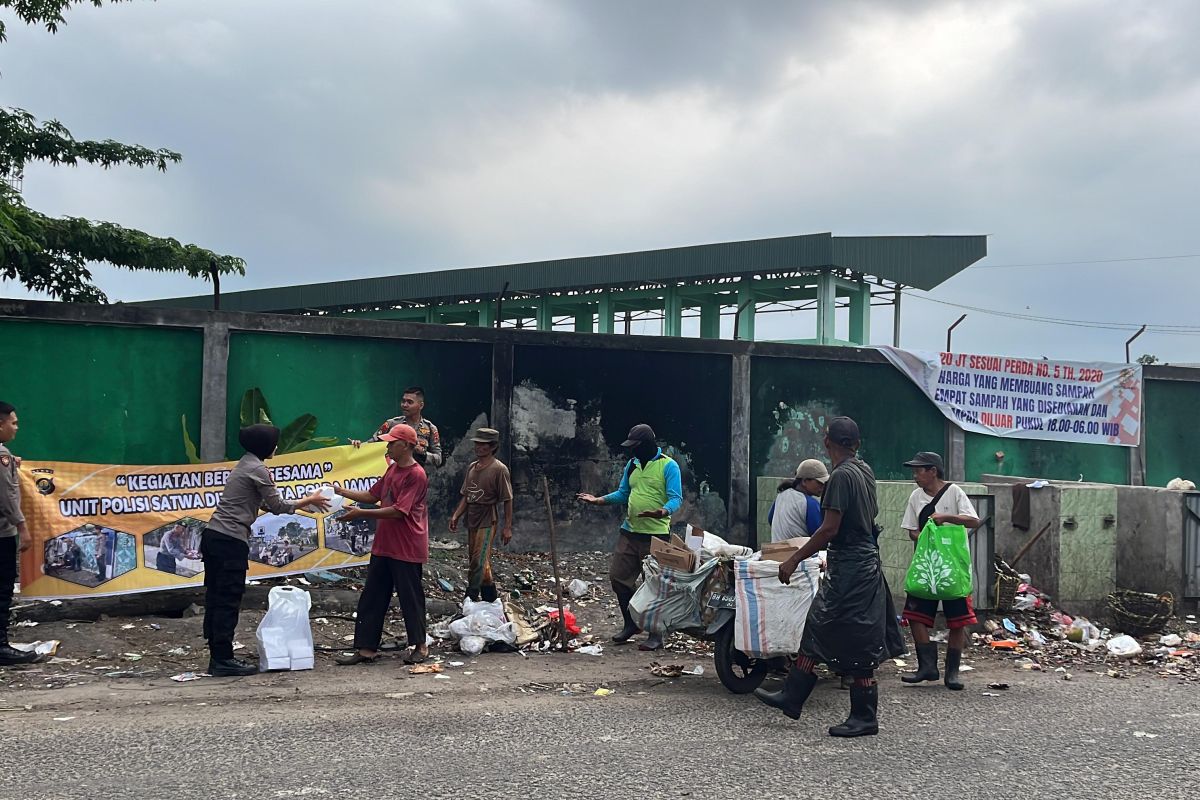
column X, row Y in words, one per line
column 507, row 730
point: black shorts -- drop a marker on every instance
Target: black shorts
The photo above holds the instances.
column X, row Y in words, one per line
column 959, row 612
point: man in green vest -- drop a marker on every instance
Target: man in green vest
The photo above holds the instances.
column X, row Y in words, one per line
column 653, row 489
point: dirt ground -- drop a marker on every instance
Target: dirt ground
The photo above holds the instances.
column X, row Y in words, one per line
column 130, row 653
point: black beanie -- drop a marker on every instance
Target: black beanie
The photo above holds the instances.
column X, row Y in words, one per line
column 259, row 439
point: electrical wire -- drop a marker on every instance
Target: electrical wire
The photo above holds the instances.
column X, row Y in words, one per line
column 1179, row 330
column 1098, row 261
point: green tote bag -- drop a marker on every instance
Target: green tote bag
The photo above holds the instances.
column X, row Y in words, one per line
column 941, row 567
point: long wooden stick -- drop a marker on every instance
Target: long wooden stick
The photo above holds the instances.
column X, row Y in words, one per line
column 562, row 617
column 1029, row 544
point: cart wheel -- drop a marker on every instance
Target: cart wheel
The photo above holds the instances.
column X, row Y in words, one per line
column 738, row 672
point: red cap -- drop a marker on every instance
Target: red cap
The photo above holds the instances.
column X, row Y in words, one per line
column 399, row 433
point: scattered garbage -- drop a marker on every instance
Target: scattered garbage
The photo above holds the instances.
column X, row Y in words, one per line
column 1124, row 646
column 184, row 677
column 1170, row 640
column 446, row 585
column 591, row 650
column 602, row 692
column 425, row 669
column 482, row 623
column 578, row 588
column 1144, row 735
column 998, row 686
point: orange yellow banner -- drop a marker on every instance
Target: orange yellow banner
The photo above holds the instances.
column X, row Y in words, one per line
column 103, row 530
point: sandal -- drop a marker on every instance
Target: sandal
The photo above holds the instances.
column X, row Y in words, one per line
column 414, row 657
column 357, row 658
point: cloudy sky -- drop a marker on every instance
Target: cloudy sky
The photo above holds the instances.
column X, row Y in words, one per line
column 330, row 140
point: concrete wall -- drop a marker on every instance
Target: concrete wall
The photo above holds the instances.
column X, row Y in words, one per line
column 729, row 411
column 1150, row 551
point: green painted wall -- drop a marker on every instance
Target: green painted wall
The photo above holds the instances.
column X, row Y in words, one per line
column 352, row 385
column 101, row 393
column 1032, row 458
column 1172, row 434
column 791, row 401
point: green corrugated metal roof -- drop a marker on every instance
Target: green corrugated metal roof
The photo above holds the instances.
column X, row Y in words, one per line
column 922, row 262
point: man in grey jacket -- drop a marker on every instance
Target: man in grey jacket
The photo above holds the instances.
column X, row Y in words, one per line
column 14, row 534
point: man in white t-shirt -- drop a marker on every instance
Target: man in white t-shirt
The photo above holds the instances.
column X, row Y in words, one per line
column 945, row 504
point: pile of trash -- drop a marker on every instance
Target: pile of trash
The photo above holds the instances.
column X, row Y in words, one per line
column 1042, row 638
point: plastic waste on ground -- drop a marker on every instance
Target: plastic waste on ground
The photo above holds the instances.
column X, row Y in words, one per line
column 483, row 621
column 578, row 588
column 1026, row 602
column 1171, row 640
column 591, row 650
column 285, row 636
column 573, row 628
column 1124, row 646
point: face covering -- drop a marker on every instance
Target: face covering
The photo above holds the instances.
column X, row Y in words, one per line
column 259, row 440
column 645, row 451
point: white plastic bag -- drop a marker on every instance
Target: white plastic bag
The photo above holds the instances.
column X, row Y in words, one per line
column 770, row 615
column 285, row 636
column 716, row 547
column 1124, row 646
column 472, row 645
column 578, row 588
column 482, row 622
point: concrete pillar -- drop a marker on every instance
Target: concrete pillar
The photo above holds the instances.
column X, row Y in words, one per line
column 745, row 314
column 672, row 312
column 1137, row 464
column 956, row 453
column 432, row 317
column 740, row 499
column 214, row 391
column 860, row 315
column 583, row 320
column 826, row 308
column 502, row 386
column 710, row 319
column 604, row 313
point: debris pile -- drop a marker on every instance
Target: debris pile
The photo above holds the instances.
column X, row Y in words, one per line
column 1041, row 638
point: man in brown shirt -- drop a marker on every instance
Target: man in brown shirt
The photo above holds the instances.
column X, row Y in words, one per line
column 486, row 486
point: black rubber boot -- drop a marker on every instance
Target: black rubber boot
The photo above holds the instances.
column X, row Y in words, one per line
column 10, row 655
column 624, row 595
column 953, row 658
column 230, row 668
column 863, row 719
column 927, row 669
column 654, row 641
column 797, row 686
column 488, row 593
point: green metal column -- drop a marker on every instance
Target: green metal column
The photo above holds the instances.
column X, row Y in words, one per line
column 545, row 314
column 710, row 319
column 487, row 314
column 583, row 320
column 826, row 308
column 604, row 312
column 672, row 312
column 745, row 300
column 432, row 317
column 860, row 315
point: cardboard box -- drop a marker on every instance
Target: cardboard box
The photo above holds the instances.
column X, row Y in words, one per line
column 778, row 551
column 672, row 553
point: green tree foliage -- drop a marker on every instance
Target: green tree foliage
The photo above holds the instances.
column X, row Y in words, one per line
column 52, row 255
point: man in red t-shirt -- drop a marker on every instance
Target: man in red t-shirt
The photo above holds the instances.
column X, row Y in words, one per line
column 400, row 549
